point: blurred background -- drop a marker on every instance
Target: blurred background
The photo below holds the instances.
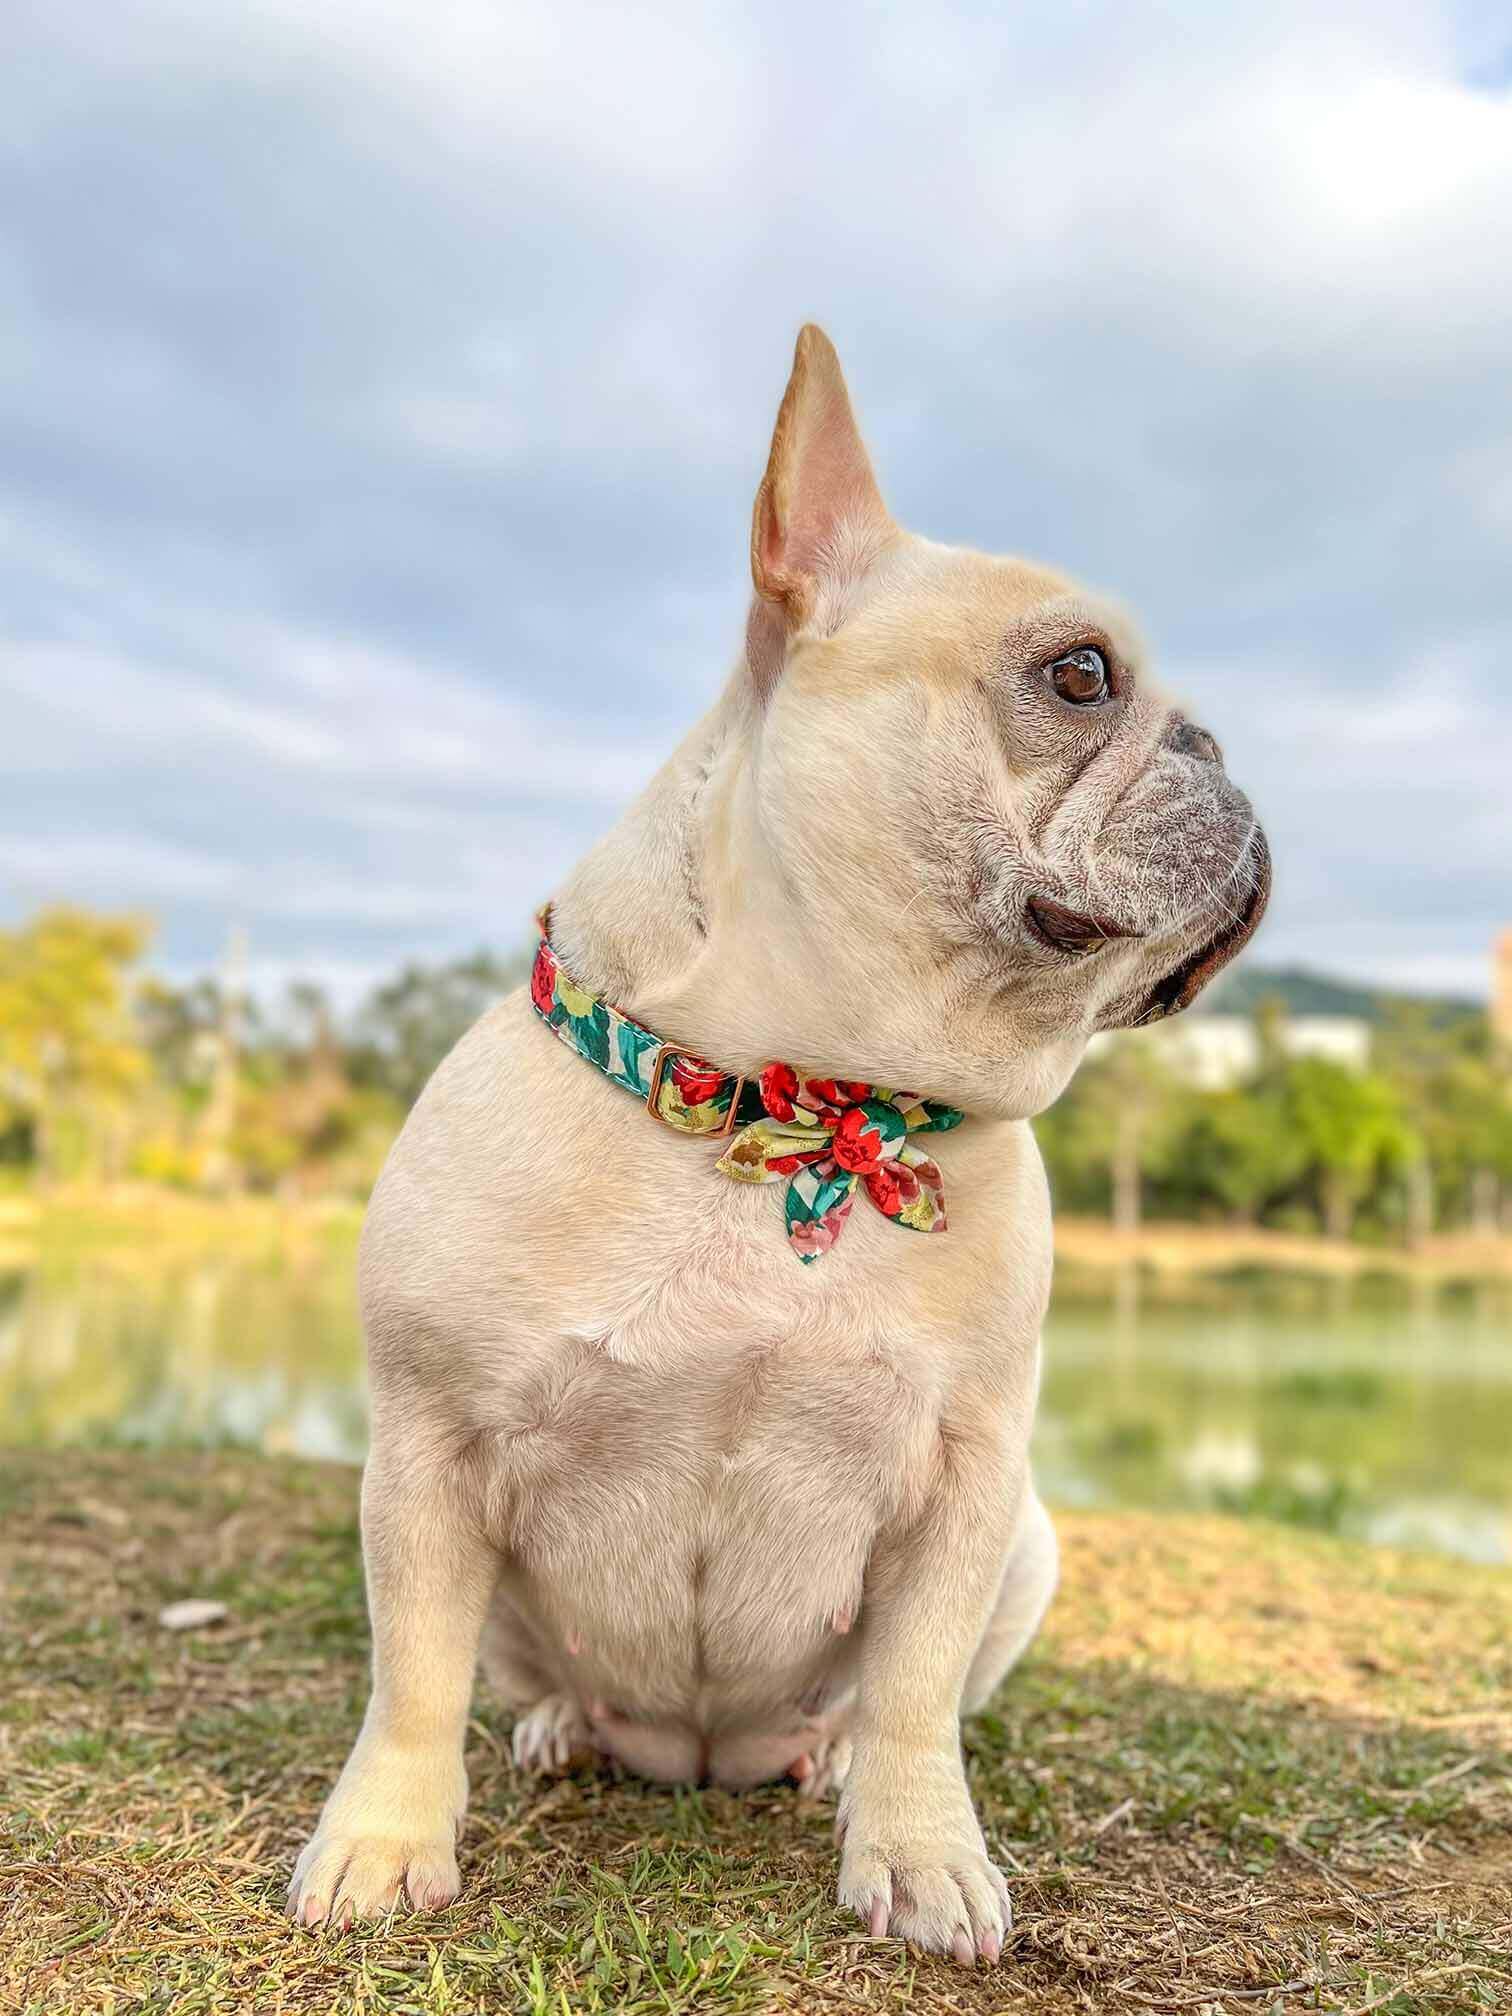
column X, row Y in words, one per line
column 381, row 402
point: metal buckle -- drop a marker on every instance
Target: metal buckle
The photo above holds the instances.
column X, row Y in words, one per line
column 658, row 1069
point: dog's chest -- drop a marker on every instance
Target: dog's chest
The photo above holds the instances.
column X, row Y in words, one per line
column 702, row 1496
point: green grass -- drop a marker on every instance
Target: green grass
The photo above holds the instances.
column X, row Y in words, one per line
column 1246, row 1769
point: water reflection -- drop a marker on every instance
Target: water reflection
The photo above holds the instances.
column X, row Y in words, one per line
column 1374, row 1408
column 251, row 1354
column 1378, row 1408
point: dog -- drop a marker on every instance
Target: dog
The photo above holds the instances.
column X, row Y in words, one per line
column 728, row 1480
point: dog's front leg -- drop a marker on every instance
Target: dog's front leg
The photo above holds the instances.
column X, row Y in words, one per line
column 391, row 1822
column 914, row 1861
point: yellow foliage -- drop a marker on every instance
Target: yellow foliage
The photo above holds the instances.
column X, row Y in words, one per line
column 162, row 1158
column 69, row 1056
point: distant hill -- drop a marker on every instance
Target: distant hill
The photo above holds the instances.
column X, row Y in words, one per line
column 1238, row 991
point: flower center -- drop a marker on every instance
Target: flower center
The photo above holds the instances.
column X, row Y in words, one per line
column 867, row 1135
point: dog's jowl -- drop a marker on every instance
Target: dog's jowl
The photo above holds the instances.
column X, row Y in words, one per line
column 703, row 1289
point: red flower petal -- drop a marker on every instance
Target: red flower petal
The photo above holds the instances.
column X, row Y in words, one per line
column 695, row 1080
column 777, row 1084
column 543, row 979
column 857, row 1144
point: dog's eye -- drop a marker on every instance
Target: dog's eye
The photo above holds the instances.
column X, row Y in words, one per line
column 1081, row 677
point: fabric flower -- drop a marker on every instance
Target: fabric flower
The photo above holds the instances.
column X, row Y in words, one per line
column 778, row 1085
column 826, row 1143
column 834, row 1092
column 890, row 1189
column 858, row 1142
column 814, row 1236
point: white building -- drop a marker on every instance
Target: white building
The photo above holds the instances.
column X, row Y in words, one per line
column 1216, row 1051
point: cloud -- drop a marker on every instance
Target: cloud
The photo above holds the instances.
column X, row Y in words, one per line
column 380, row 409
column 353, row 796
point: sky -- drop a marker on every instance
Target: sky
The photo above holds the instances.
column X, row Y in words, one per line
column 383, row 391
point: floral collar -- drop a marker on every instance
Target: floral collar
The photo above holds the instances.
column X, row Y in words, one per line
column 827, row 1136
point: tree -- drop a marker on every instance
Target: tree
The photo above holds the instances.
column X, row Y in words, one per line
column 177, row 1025
column 1349, row 1124
column 1412, row 1053
column 69, row 1055
column 407, row 1026
column 1118, row 1118
column 1475, row 1130
column 1457, row 1096
column 1243, row 1148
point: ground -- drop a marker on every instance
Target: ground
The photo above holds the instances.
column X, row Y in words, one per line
column 1244, row 1770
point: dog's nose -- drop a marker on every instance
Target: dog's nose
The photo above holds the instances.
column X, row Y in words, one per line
column 1187, row 739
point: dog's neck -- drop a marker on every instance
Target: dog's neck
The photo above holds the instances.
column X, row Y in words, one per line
column 685, row 917
column 645, row 921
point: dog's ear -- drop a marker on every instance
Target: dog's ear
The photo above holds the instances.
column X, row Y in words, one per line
column 819, row 519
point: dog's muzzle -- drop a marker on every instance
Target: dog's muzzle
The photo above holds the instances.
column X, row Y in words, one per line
column 1180, row 989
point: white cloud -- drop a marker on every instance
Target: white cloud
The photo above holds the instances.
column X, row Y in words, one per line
column 318, row 705
column 116, row 868
column 385, row 400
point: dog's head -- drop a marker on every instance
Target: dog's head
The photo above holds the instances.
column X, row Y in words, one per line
column 988, row 831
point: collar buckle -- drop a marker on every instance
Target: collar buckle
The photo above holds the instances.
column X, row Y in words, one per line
column 658, row 1070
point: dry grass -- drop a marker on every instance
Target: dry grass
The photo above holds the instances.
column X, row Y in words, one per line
column 1245, row 1771
column 1175, row 1248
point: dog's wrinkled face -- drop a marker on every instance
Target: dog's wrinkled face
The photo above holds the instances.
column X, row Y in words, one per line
column 971, row 759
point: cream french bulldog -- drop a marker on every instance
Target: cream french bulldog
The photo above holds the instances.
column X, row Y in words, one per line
column 711, row 1489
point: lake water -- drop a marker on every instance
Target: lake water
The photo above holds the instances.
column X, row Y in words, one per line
column 1376, row 1409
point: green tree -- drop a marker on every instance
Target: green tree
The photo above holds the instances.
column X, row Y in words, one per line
column 1349, row 1125
column 407, row 1025
column 1243, row 1148
column 1117, row 1121
column 1474, row 1135
column 1456, row 1093
column 177, row 1025
column 69, row 1054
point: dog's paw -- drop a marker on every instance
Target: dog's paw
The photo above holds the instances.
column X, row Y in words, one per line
column 388, row 1832
column 342, row 1876
column 551, row 1738
column 945, row 1898
column 827, row 1760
